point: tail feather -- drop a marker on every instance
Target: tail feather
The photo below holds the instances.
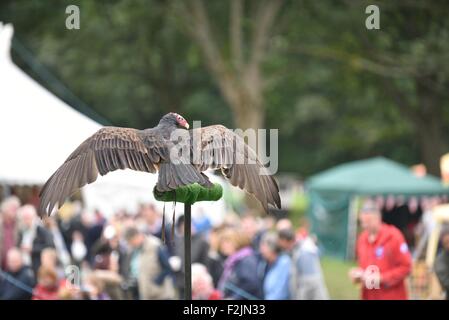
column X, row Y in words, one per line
column 172, row 176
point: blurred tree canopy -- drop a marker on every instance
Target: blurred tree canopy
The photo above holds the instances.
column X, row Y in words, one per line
column 337, row 91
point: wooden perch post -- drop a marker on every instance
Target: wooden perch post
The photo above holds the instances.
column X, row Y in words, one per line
column 187, row 251
column 189, row 195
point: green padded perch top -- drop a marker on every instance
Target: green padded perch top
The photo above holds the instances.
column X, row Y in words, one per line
column 190, row 194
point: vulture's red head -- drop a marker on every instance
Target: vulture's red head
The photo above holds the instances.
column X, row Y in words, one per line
column 180, row 121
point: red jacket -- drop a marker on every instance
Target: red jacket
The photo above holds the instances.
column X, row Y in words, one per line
column 390, row 254
column 44, row 293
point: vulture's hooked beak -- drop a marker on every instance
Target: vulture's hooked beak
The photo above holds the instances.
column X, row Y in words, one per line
column 185, row 124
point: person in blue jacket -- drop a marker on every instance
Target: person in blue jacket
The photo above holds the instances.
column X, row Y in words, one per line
column 277, row 277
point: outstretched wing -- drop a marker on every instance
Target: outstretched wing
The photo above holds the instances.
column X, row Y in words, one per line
column 217, row 147
column 109, row 149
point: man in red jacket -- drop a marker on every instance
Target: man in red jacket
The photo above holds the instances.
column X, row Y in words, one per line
column 383, row 258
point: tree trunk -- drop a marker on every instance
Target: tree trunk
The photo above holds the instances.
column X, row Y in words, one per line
column 248, row 109
column 249, row 114
column 432, row 147
column 430, row 125
column 425, row 113
column 240, row 80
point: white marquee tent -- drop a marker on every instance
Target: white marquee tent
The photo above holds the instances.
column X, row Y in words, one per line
column 38, row 131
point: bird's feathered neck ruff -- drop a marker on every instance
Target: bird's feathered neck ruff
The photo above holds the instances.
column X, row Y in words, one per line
column 168, row 121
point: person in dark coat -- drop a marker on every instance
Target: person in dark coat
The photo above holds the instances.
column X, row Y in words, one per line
column 243, row 272
column 442, row 263
column 42, row 241
column 215, row 259
column 18, row 282
column 109, row 252
column 87, row 229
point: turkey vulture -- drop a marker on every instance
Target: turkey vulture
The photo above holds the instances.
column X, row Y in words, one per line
column 152, row 150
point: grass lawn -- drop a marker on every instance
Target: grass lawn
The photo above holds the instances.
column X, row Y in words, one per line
column 337, row 281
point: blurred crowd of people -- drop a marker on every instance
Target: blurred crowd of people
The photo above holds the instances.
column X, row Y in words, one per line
column 82, row 255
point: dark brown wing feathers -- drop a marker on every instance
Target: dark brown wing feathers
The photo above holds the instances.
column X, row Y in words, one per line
column 107, row 150
column 221, row 149
column 113, row 148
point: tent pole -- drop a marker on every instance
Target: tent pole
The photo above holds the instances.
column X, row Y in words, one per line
column 352, row 226
column 187, row 252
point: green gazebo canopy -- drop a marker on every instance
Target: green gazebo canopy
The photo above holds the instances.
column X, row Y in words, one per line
column 332, row 191
column 376, row 176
